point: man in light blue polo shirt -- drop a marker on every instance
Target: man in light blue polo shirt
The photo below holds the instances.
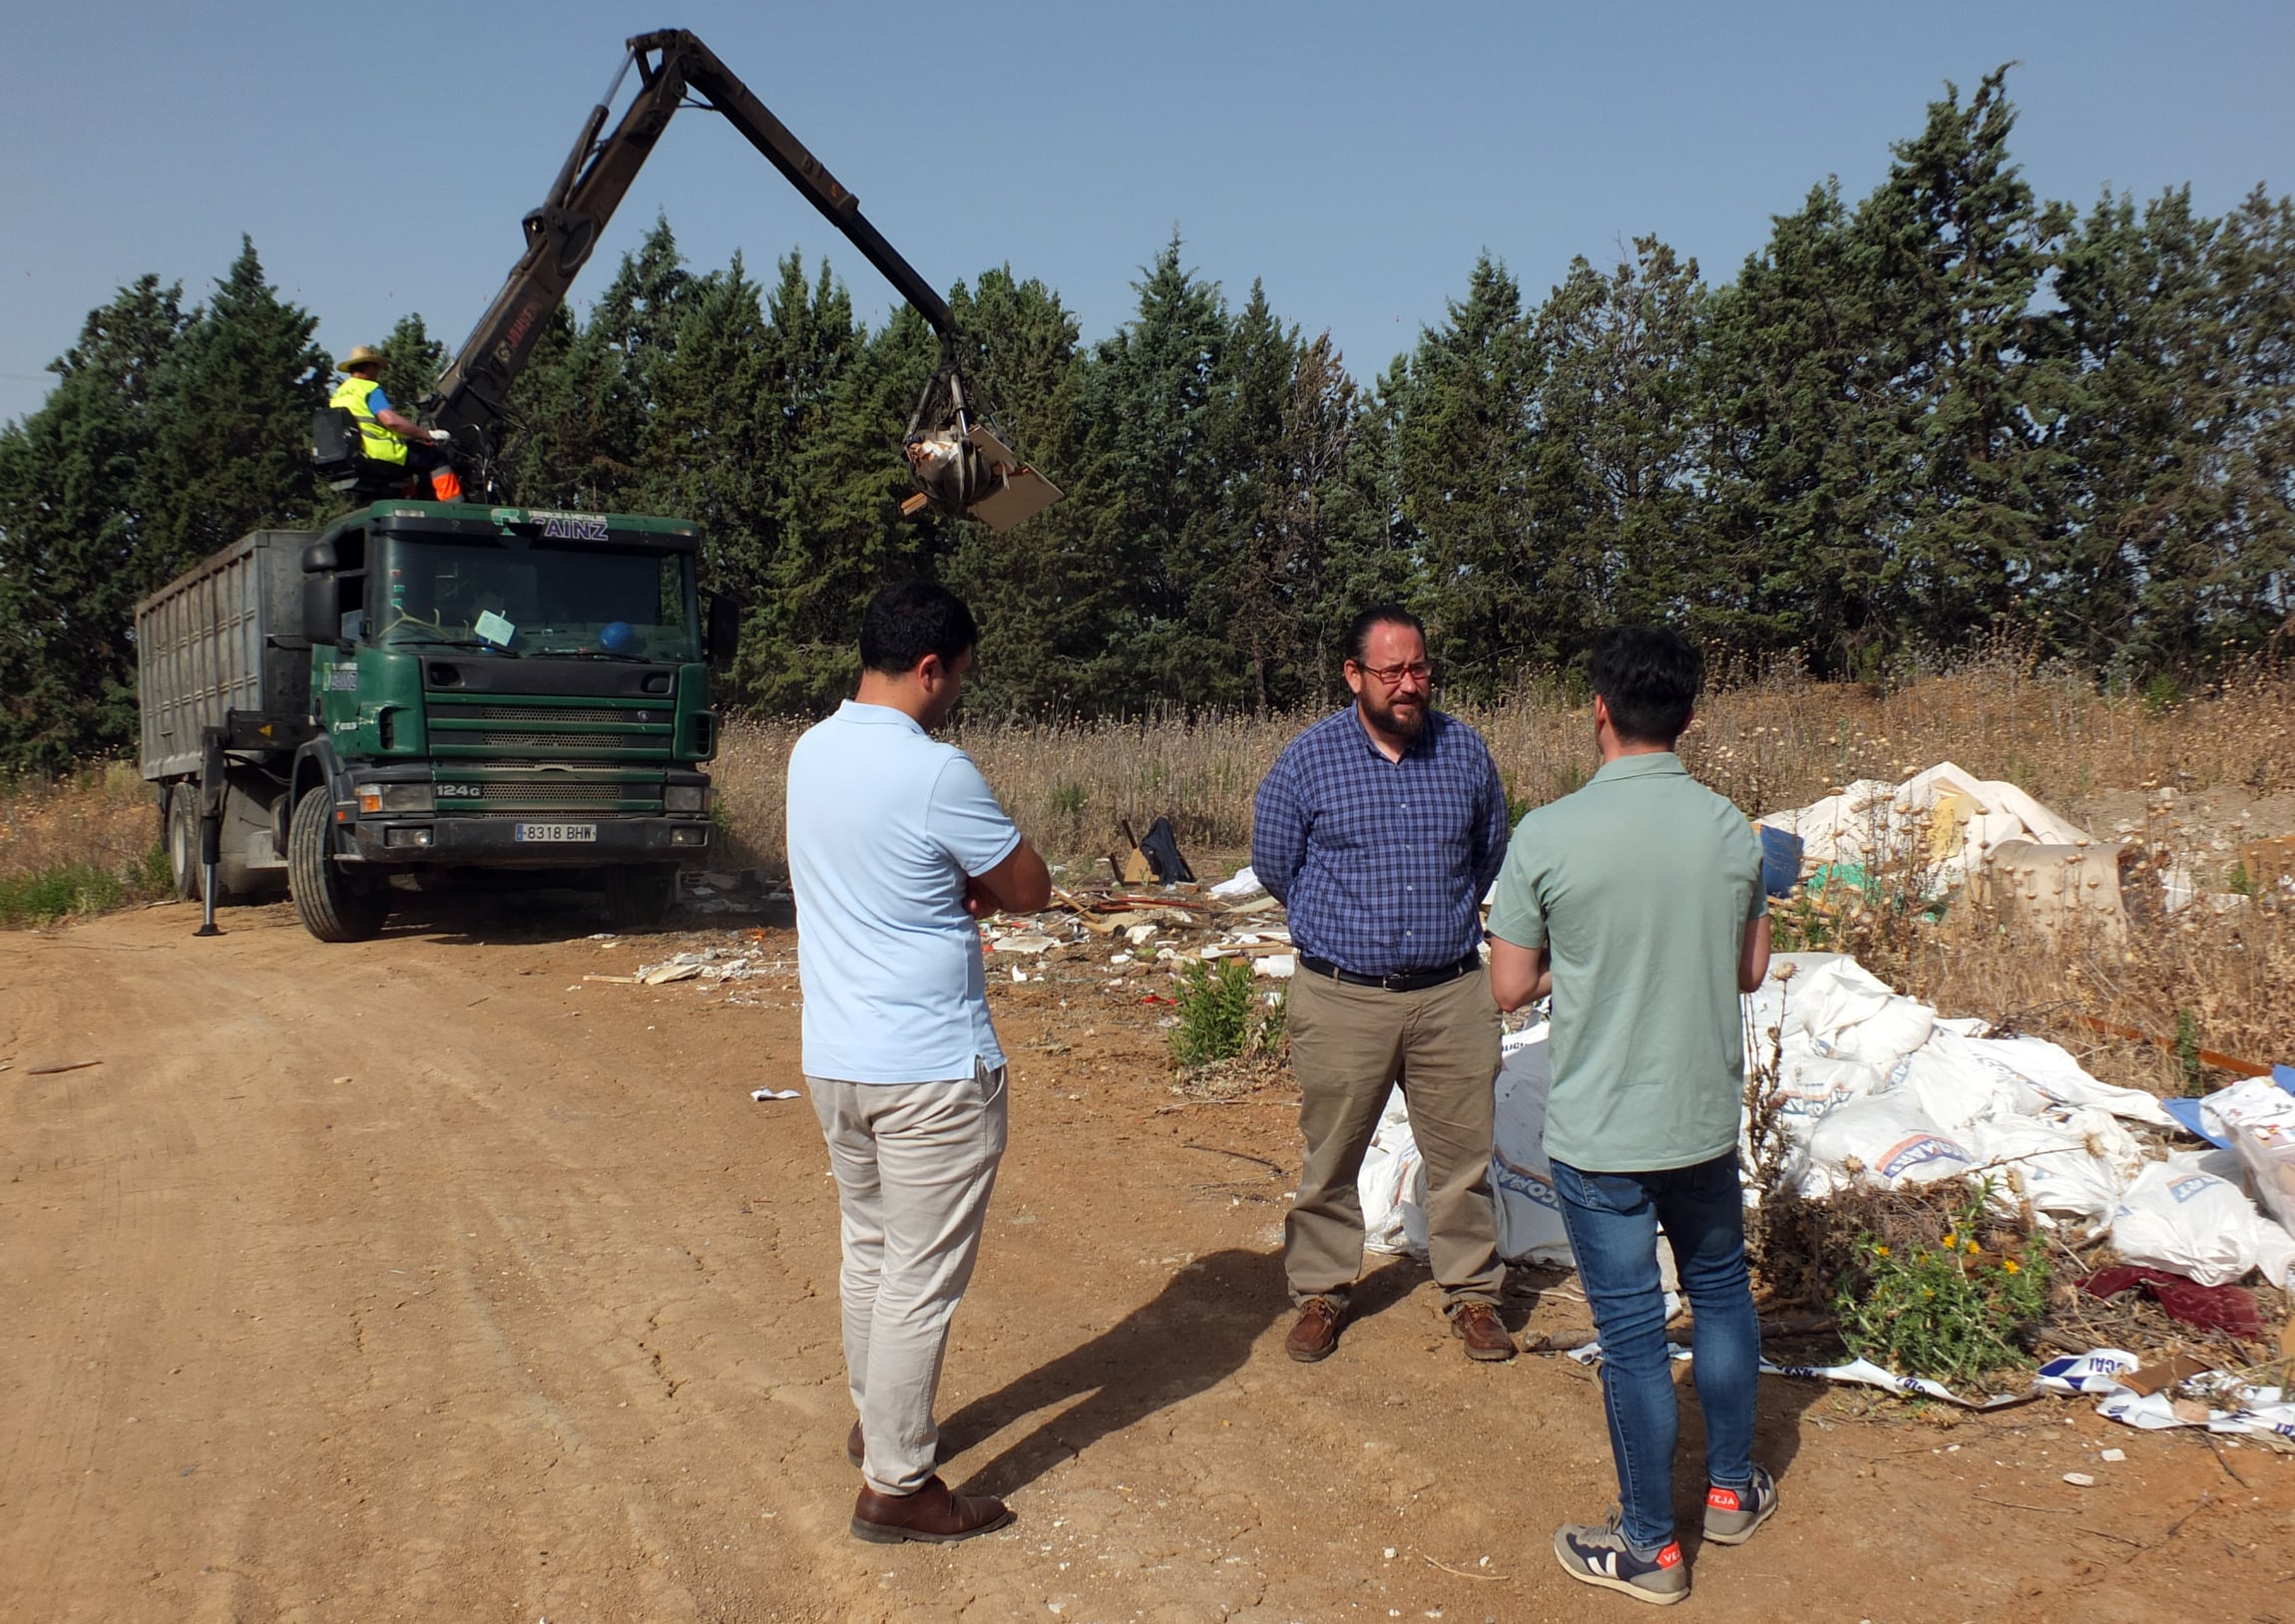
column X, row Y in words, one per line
column 896, row 846
column 1637, row 903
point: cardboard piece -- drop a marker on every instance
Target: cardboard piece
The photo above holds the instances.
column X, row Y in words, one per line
column 2151, row 1379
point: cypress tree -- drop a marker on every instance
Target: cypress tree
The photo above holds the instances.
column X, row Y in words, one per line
column 78, row 542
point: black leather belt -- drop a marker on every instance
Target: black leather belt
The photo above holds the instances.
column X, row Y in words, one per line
column 1401, row 981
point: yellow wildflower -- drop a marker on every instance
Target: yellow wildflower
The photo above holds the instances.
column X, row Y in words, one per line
column 1880, row 1251
column 1952, row 1237
column 2011, row 1265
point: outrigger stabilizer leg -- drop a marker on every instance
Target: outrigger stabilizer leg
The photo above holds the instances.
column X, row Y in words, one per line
column 211, row 830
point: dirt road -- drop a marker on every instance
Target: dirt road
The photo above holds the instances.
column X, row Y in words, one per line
column 423, row 1280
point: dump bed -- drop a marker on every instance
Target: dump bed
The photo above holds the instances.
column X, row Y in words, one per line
column 204, row 646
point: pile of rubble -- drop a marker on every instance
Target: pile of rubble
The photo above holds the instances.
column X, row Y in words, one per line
column 1135, row 931
column 1947, row 833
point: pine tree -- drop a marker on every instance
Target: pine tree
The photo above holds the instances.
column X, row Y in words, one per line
column 411, row 363
column 704, row 432
column 1044, row 591
column 1157, row 391
column 77, row 542
column 1962, row 248
column 797, row 644
column 1464, row 460
column 1616, row 515
column 1806, row 463
column 235, row 450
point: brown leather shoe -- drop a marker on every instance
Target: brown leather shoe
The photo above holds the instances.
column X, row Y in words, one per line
column 1485, row 1333
column 1316, row 1335
column 932, row 1514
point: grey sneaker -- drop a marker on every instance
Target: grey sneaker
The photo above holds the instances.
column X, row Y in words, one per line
column 1600, row 1555
column 1731, row 1514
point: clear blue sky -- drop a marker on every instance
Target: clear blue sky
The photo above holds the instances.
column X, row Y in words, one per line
column 1355, row 157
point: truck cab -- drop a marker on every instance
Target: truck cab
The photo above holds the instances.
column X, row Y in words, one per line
column 505, row 688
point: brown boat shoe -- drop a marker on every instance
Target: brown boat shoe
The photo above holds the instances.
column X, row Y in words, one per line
column 1317, row 1334
column 1483, row 1331
column 933, row 1515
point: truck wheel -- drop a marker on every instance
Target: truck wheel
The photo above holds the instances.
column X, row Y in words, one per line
column 333, row 905
column 638, row 894
column 183, row 834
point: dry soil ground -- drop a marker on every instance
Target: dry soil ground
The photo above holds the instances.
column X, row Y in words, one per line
column 422, row 1280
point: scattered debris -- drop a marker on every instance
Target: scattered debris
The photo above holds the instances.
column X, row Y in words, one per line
column 1242, row 886
column 64, row 1066
column 1023, row 944
column 760, row 1095
column 1948, row 821
column 2211, row 1308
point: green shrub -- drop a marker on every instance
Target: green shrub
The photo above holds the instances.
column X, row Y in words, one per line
column 82, row 888
column 1950, row 1310
column 74, row 888
column 1219, row 1011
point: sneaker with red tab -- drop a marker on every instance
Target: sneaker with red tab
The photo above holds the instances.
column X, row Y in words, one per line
column 1731, row 1514
column 1600, row 1554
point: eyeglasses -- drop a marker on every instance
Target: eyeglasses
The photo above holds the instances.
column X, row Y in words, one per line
column 1392, row 676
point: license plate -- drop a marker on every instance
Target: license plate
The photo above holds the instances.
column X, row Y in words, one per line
column 553, row 832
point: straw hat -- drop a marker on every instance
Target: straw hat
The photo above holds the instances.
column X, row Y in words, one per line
column 361, row 355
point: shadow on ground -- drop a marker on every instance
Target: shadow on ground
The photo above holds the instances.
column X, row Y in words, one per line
column 1195, row 1332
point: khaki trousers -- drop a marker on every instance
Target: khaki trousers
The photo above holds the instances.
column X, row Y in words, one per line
column 915, row 1162
column 1348, row 1046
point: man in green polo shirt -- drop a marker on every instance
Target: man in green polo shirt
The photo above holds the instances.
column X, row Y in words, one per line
column 1637, row 903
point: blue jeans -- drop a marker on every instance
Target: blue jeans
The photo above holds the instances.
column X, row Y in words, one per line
column 1612, row 1221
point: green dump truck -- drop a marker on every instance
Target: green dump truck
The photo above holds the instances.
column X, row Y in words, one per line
column 425, row 687
column 430, row 686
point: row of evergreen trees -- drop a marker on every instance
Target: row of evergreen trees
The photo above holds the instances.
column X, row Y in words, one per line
column 1947, row 410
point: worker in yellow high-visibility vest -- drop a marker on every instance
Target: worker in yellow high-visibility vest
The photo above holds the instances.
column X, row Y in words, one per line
column 388, row 435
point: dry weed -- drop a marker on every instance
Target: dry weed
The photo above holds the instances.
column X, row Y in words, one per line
column 102, row 815
column 1778, row 740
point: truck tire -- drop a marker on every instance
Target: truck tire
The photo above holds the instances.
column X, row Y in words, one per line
column 333, row 904
column 638, row 894
column 183, row 838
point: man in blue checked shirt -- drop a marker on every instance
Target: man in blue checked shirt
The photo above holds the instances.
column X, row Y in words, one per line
column 1380, row 828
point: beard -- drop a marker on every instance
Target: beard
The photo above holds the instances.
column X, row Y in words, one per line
column 1404, row 722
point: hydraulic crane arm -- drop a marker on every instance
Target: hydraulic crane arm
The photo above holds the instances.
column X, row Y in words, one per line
column 672, row 65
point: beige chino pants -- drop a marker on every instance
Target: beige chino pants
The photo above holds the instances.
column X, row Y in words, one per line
column 915, row 1163
column 1349, row 1045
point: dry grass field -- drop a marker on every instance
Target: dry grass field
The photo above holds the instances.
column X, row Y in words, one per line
column 2191, row 778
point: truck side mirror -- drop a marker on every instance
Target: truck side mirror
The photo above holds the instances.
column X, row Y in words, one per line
column 724, row 628
column 321, row 614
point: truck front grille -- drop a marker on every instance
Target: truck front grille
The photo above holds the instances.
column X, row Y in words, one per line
column 592, row 714
column 496, row 798
column 503, row 738
column 574, row 793
column 631, row 730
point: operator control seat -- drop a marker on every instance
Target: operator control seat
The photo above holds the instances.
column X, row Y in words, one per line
column 339, row 452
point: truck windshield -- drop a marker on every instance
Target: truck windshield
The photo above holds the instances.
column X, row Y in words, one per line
column 532, row 596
